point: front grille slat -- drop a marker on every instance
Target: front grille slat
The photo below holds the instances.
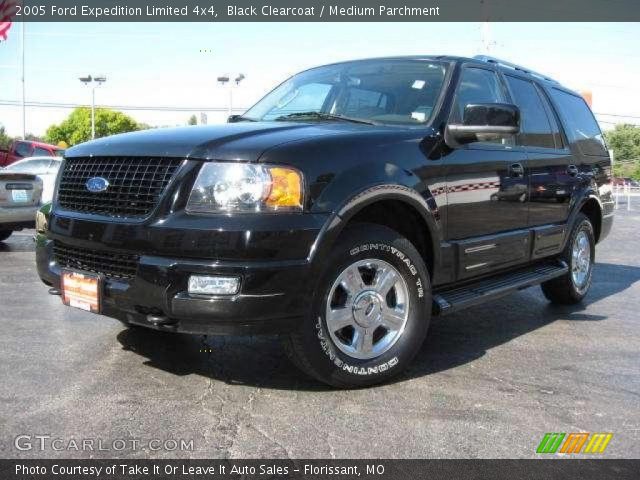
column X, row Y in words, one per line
column 135, row 184
column 118, row 265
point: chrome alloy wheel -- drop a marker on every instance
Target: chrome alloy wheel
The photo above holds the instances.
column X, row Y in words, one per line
column 581, row 260
column 367, row 308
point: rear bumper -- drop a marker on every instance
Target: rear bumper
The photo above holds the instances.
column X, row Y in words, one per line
column 274, row 294
column 17, row 217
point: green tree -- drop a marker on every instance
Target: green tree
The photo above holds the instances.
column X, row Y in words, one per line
column 76, row 128
column 35, row 138
column 5, row 140
column 624, row 140
column 193, row 120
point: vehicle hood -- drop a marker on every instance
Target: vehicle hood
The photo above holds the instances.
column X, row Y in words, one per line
column 245, row 141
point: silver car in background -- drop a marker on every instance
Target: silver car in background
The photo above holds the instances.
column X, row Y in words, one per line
column 20, row 198
column 46, row 168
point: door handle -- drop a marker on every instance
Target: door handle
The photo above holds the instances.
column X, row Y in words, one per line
column 572, row 170
column 516, row 170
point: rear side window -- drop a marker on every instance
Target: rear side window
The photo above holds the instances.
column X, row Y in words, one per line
column 536, row 127
column 581, row 125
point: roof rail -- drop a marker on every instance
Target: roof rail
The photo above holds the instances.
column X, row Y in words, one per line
column 503, row 63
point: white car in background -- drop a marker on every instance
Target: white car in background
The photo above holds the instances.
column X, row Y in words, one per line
column 45, row 168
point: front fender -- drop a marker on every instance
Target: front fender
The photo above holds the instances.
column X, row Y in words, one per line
column 346, row 210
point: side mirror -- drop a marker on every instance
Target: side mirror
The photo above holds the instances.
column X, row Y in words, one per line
column 483, row 122
column 233, row 118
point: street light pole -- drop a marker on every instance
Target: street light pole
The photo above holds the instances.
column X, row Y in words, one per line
column 87, row 80
column 93, row 112
column 223, row 80
column 24, row 108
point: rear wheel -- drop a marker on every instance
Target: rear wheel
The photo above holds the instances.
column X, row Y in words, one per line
column 579, row 254
column 4, row 234
column 371, row 312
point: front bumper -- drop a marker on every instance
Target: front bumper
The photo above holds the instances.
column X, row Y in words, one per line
column 275, row 291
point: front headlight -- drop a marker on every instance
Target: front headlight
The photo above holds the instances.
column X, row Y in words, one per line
column 242, row 187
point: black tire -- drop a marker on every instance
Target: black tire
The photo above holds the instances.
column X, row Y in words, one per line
column 4, row 234
column 564, row 290
column 312, row 348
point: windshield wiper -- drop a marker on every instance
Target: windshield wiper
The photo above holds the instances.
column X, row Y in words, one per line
column 240, row 118
column 321, row 116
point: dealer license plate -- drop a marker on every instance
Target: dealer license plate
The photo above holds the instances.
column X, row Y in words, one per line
column 81, row 290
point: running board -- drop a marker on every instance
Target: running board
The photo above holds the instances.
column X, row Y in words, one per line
column 457, row 298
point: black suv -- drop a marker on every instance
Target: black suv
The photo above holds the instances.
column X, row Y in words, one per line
column 343, row 210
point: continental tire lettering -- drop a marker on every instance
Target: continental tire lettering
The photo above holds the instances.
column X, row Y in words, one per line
column 326, row 348
column 394, row 251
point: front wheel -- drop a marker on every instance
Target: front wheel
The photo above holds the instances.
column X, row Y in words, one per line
column 371, row 311
column 579, row 254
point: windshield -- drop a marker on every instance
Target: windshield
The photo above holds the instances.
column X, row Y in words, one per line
column 394, row 92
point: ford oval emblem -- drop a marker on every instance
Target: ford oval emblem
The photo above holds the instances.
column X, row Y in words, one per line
column 97, row 184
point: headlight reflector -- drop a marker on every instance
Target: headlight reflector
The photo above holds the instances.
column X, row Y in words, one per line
column 241, row 187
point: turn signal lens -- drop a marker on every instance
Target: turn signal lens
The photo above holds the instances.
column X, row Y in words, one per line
column 286, row 188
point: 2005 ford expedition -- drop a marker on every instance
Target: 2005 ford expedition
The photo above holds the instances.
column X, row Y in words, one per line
column 344, row 210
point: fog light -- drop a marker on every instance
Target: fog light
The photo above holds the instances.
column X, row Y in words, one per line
column 213, row 285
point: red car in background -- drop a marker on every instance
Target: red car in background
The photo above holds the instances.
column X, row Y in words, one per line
column 28, row 148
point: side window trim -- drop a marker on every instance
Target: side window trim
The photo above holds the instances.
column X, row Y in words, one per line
column 507, row 95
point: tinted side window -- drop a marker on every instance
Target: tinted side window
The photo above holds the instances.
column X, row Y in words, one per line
column 581, row 125
column 23, row 149
column 535, row 126
column 478, row 85
column 41, row 152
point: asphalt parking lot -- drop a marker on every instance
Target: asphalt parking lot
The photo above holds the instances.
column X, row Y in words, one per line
column 489, row 382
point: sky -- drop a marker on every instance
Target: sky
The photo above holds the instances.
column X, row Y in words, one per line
column 176, row 64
